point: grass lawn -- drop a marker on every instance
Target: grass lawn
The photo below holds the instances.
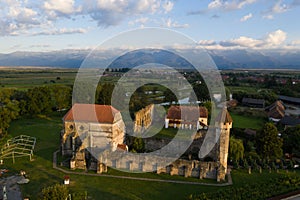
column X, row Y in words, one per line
column 41, row 173
column 242, row 121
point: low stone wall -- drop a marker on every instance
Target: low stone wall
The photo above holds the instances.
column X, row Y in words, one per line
column 187, row 168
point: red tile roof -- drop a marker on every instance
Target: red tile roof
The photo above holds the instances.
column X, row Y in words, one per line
column 122, row 147
column 91, row 113
column 188, row 113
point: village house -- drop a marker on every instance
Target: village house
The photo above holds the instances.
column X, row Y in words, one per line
column 256, row 103
column 184, row 117
column 290, row 100
column 289, row 121
column 276, row 111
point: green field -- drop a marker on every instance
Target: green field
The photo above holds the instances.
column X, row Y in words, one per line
column 252, row 122
column 41, row 173
column 25, row 78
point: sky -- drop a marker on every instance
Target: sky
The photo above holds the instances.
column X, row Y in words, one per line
column 51, row 25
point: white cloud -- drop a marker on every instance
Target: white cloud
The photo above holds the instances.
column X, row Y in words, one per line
column 276, row 38
column 60, row 6
column 16, row 17
column 268, row 16
column 112, row 12
column 169, row 23
column 229, row 5
column 273, row 40
column 20, row 16
column 295, row 42
column 247, row 42
column 277, row 8
column 215, row 4
column 62, row 31
column 246, row 17
column 142, row 21
column 207, row 42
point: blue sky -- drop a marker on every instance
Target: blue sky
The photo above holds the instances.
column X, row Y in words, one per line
column 28, row 25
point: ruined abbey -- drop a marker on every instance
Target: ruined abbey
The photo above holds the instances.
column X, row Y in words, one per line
column 94, row 135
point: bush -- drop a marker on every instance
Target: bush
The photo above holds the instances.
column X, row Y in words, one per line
column 55, row 192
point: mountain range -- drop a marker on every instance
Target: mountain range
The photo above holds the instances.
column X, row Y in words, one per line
column 224, row 59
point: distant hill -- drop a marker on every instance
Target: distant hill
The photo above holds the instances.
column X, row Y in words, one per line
column 224, row 59
column 65, row 59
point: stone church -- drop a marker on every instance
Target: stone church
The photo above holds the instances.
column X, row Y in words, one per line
column 89, row 128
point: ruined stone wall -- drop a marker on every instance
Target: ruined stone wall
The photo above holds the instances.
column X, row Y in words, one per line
column 181, row 167
column 143, row 119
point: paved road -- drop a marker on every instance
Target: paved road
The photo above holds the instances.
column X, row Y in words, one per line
column 296, row 197
column 141, row 179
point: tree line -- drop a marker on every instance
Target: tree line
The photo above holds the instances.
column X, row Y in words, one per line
column 266, row 149
column 39, row 100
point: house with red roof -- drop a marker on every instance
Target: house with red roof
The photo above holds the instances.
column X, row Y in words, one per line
column 187, row 117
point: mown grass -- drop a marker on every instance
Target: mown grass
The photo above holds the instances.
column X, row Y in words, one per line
column 243, row 121
column 41, row 173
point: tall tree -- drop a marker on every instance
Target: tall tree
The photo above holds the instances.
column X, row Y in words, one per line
column 291, row 140
column 169, row 96
column 39, row 100
column 105, row 94
column 201, row 91
column 269, row 145
column 9, row 109
column 236, row 149
column 62, row 96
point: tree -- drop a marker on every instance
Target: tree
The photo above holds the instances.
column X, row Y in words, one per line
column 291, row 140
column 269, row 145
column 9, row 109
column 236, row 149
column 138, row 145
column 39, row 100
column 201, row 91
column 105, row 93
column 62, row 96
column 55, row 192
column 169, row 96
column 227, row 91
